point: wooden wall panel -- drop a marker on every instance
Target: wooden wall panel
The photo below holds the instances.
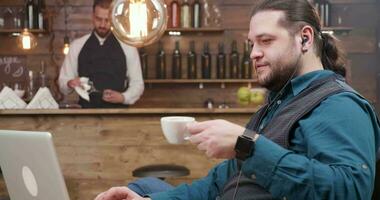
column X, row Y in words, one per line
column 359, row 14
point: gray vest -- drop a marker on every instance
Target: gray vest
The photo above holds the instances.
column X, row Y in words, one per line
column 280, row 130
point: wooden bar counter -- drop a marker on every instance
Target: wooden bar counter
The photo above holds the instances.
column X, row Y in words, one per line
column 99, row 148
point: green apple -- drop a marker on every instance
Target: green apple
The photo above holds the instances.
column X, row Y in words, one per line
column 243, row 102
column 243, row 94
column 257, row 96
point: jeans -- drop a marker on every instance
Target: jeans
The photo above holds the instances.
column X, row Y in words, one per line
column 149, row 185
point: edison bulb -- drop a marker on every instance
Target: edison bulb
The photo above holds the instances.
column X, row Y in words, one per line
column 66, row 45
column 26, row 40
column 138, row 22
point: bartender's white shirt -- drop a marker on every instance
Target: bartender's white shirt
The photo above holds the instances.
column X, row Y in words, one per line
column 69, row 69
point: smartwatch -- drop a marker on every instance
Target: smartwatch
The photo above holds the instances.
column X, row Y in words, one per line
column 245, row 146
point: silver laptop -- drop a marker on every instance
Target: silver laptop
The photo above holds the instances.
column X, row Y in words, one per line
column 30, row 166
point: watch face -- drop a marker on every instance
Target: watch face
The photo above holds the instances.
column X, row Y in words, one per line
column 244, row 147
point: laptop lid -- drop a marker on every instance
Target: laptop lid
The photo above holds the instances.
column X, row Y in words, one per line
column 30, row 166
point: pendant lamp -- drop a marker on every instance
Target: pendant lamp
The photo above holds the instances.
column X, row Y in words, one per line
column 138, row 22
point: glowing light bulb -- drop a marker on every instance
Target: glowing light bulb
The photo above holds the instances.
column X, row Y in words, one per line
column 138, row 15
column 66, row 48
column 26, row 40
column 138, row 22
column 66, row 45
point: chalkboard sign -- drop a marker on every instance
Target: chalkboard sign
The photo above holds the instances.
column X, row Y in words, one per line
column 13, row 70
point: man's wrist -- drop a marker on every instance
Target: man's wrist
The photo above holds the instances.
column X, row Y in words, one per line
column 245, row 144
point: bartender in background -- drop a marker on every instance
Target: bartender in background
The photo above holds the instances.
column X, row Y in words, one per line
column 112, row 66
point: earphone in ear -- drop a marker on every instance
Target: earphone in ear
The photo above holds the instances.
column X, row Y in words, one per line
column 304, row 40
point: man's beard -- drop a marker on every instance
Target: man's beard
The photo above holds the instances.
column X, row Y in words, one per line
column 102, row 34
column 280, row 74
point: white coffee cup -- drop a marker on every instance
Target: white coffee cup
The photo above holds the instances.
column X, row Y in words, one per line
column 174, row 128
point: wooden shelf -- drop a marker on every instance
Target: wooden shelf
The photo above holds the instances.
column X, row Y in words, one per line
column 10, row 31
column 337, row 29
column 179, row 31
column 200, row 81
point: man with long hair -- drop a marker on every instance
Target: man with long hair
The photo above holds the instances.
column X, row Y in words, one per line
column 315, row 139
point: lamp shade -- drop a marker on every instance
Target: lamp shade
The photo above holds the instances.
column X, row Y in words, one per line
column 138, row 22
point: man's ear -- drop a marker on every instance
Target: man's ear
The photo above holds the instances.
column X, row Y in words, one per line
column 307, row 38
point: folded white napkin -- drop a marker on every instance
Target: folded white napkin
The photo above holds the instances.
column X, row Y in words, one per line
column 10, row 100
column 43, row 100
column 83, row 90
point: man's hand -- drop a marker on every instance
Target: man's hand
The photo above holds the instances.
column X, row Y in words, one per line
column 74, row 83
column 216, row 137
column 112, row 96
column 119, row 193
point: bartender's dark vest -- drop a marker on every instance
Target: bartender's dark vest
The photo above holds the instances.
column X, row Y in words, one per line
column 280, row 129
column 106, row 67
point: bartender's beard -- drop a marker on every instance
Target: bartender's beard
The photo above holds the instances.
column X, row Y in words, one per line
column 102, row 32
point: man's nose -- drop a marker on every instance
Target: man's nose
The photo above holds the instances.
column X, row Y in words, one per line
column 103, row 23
column 256, row 53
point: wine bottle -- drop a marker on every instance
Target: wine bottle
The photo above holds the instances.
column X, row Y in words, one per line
column 40, row 14
column 327, row 13
column 221, row 62
column 185, row 14
column 206, row 62
column 175, row 14
column 31, row 88
column 322, row 12
column 234, row 61
column 192, row 62
column 176, row 62
column 160, row 62
column 144, row 62
column 30, row 12
column 246, row 63
column 42, row 75
column 196, row 9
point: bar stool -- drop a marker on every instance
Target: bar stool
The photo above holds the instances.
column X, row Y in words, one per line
column 161, row 171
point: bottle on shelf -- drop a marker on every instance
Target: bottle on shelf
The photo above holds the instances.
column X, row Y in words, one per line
column 327, row 13
column 30, row 14
column 35, row 14
column 160, row 62
column 246, row 63
column 185, row 15
column 176, row 62
column 8, row 18
column 221, row 62
column 175, row 14
column 196, row 11
column 42, row 75
column 2, row 19
column 192, row 62
column 234, row 61
column 41, row 9
column 144, row 62
column 31, row 88
column 206, row 62
column 323, row 8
